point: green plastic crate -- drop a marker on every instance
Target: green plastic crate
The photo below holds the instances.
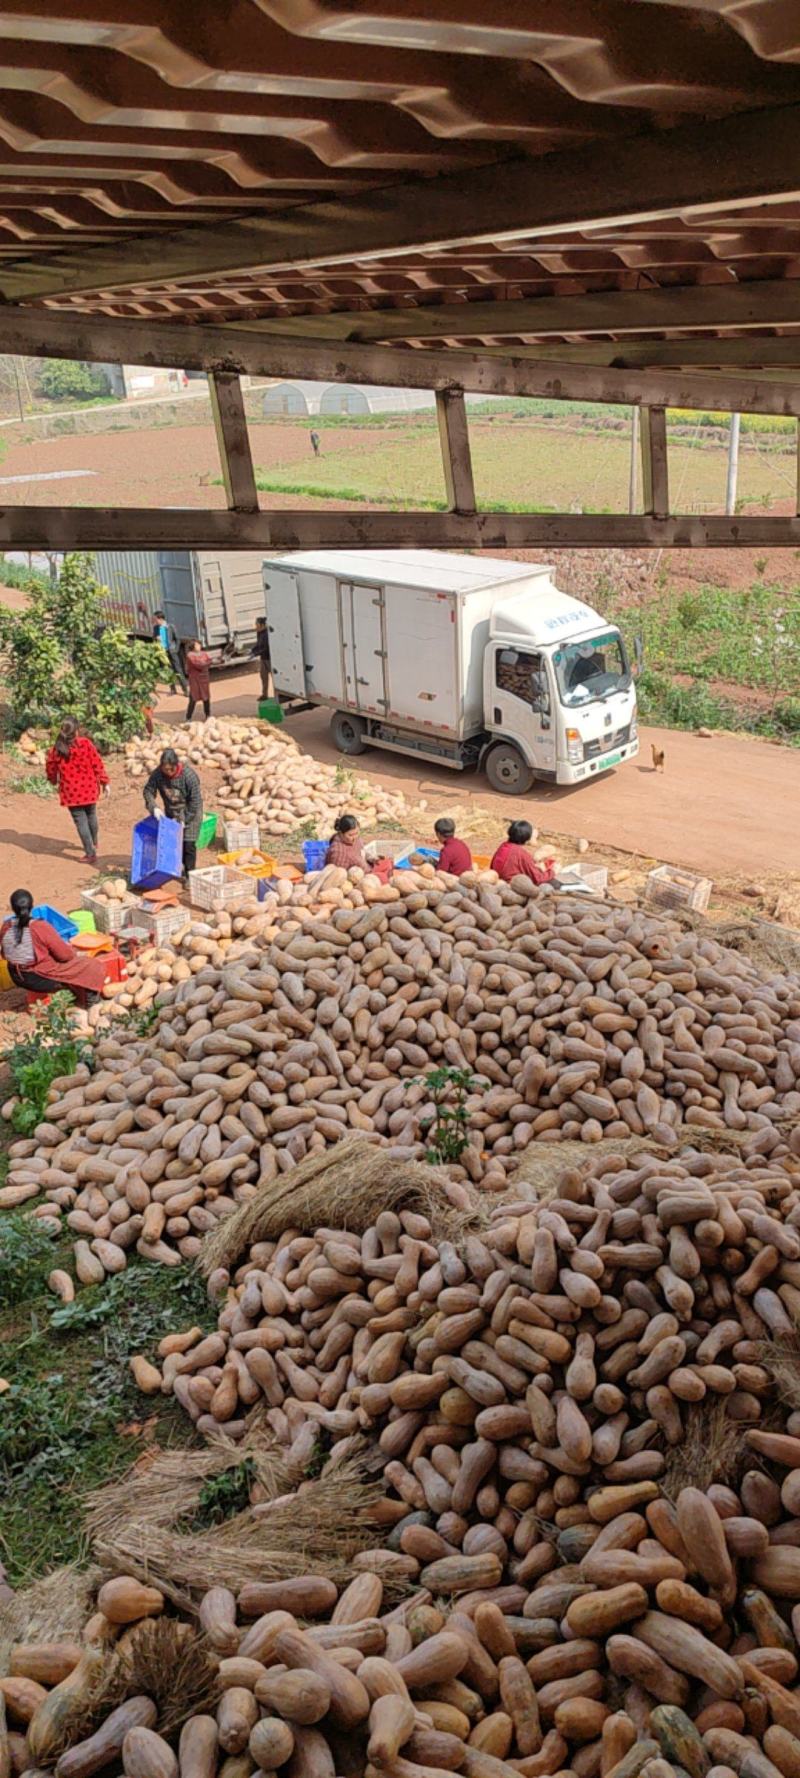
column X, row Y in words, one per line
column 84, row 920
column 208, row 831
column 270, row 710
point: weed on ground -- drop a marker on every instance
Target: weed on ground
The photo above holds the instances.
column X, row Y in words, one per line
column 71, row 1415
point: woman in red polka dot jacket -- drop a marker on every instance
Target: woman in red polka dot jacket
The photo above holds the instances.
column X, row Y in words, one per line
column 74, row 764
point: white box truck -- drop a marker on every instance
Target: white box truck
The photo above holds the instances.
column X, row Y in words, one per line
column 460, row 659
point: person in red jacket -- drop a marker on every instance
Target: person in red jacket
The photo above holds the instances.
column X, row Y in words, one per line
column 39, row 959
column 197, row 667
column 454, row 857
column 74, row 764
column 512, row 859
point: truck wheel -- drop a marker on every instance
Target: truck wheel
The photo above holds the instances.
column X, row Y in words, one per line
column 347, row 732
column 507, row 772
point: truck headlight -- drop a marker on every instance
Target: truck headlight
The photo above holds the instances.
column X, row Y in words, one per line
column 574, row 746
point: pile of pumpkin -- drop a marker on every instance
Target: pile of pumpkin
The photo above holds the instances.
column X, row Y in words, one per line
column 671, row 1652
column 289, row 1024
column 268, row 777
column 565, row 1605
column 567, row 1337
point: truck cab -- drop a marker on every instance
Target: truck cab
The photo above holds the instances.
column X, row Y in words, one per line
column 559, row 698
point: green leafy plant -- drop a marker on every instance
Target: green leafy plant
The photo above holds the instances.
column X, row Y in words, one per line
column 447, row 1126
column 26, row 1257
column 72, row 1416
column 30, row 784
column 49, row 1049
column 60, row 658
column 224, row 1495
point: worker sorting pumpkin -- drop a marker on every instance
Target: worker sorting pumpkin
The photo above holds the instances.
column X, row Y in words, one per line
column 512, row 858
column 345, row 847
column 39, row 960
column 178, row 786
column 455, row 857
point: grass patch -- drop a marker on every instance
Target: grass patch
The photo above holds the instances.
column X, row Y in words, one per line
column 30, row 784
column 70, row 1419
column 667, row 704
column 749, row 638
column 278, row 484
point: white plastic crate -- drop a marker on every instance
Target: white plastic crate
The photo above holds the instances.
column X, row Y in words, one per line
column 592, row 876
column 382, row 845
column 669, row 887
column 109, row 916
column 241, row 835
column 218, row 885
column 160, row 923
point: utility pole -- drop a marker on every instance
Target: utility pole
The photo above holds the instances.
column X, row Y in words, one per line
column 733, row 465
column 634, row 462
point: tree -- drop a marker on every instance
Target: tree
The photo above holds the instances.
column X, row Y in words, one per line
column 62, row 380
column 60, row 659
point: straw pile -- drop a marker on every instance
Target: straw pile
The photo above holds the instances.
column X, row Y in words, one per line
column 146, row 1525
column 347, row 1187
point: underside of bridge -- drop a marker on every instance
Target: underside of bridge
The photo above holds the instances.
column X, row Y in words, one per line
column 592, row 199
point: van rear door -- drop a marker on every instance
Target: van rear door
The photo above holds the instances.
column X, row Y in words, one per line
column 285, row 625
column 361, row 608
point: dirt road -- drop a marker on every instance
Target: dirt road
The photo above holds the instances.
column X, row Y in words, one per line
column 725, row 806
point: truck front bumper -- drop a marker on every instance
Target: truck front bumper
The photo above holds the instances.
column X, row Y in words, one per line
column 591, row 768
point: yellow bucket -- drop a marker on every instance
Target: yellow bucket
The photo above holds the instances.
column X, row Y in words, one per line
column 5, row 979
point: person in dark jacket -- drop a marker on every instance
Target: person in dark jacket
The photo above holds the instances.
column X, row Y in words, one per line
column 454, row 857
column 164, row 633
column 262, row 651
column 179, row 789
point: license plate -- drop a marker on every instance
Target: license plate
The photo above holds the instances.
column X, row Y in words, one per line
column 611, row 759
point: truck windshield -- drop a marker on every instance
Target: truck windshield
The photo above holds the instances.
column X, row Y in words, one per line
column 591, row 669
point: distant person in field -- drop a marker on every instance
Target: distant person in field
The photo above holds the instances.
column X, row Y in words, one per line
column 454, row 857
column 198, row 663
column 512, row 858
column 75, row 766
column 314, row 436
column 262, row 652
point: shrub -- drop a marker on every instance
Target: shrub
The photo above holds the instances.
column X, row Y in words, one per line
column 60, row 659
column 61, row 380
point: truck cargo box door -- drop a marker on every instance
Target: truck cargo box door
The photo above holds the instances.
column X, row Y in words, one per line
column 285, row 626
column 362, row 628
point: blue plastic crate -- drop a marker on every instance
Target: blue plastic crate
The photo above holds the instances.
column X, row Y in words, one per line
column 157, row 852
column 430, row 852
column 315, row 853
column 265, row 886
column 65, row 927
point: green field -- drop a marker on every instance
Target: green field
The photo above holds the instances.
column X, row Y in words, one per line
column 744, row 642
column 523, row 466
